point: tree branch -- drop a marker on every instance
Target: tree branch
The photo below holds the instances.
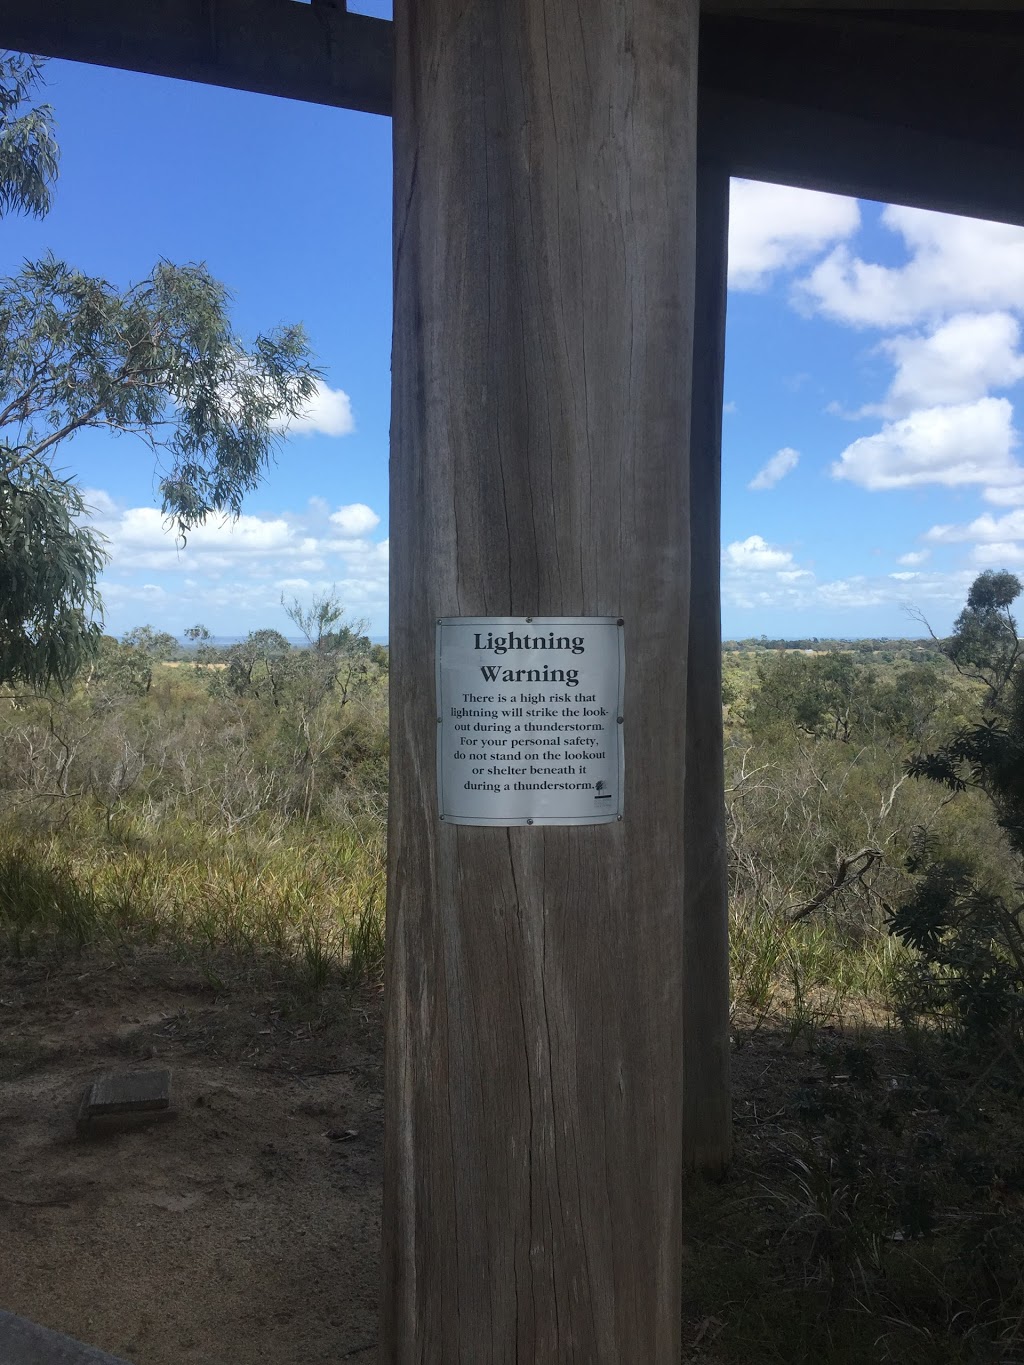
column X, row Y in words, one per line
column 844, row 873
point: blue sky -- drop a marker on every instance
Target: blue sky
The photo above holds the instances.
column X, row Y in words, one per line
column 873, row 362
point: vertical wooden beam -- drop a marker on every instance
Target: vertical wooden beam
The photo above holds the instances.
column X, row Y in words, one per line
column 544, row 262
column 707, row 1122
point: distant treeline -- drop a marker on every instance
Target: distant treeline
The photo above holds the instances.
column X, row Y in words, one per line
column 887, row 647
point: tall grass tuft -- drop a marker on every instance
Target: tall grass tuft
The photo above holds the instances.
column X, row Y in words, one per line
column 310, row 899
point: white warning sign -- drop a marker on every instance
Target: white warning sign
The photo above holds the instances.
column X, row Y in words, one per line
column 529, row 719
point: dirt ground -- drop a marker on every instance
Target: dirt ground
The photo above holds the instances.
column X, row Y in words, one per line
column 246, row 1230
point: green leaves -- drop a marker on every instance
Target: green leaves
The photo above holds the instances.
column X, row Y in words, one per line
column 970, row 939
column 984, row 643
column 28, row 147
column 158, row 361
column 49, row 562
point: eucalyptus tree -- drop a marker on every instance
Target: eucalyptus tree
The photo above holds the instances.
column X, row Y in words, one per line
column 28, row 144
column 966, row 924
column 159, row 361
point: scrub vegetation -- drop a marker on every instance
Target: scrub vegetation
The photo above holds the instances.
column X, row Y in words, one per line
column 226, row 806
column 226, row 802
column 875, row 806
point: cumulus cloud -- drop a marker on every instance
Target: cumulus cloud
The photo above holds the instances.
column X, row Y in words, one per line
column 780, row 464
column 998, row 541
column 954, row 265
column 998, row 554
column 777, row 227
column 99, row 503
column 914, row 557
column 965, row 443
column 241, row 567
column 356, row 519
column 141, row 538
column 328, row 413
column 1009, row 495
column 755, row 554
column 984, row 528
column 958, row 362
column 856, row 592
column 763, row 577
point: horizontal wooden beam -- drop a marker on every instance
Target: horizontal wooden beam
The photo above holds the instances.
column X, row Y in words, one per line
column 791, row 145
column 316, row 52
column 945, row 77
column 893, row 102
column 883, row 107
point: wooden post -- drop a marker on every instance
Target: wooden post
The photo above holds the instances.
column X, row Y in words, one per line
column 707, row 1115
column 544, row 262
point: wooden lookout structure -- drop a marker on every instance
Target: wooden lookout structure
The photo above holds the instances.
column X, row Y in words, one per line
column 557, row 1046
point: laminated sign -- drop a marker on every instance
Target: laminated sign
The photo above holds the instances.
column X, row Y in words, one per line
column 529, row 719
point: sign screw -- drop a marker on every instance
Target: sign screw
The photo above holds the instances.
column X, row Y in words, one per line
column 621, row 719
column 529, row 822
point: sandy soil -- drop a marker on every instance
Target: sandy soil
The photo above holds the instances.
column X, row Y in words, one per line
column 245, row 1231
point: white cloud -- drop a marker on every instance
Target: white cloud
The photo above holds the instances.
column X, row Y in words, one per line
column 99, row 503
column 239, row 569
column 998, row 541
column 966, row 443
column 914, row 557
column 959, row 362
column 780, row 464
column 759, row 576
column 998, row 554
column 984, row 528
column 857, row 592
column 954, row 265
column 1009, row 495
column 356, row 519
column 328, row 413
column 151, row 594
column 777, row 227
column 755, row 554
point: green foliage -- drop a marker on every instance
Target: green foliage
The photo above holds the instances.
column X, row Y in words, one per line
column 158, row 360
column 984, row 643
column 49, row 562
column 968, row 935
column 154, row 644
column 813, row 694
column 139, row 805
column 872, row 1212
column 257, row 666
column 28, row 147
column 838, row 696
column 969, row 965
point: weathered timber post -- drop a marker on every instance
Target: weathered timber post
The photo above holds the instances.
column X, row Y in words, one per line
column 544, row 259
column 707, row 1112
